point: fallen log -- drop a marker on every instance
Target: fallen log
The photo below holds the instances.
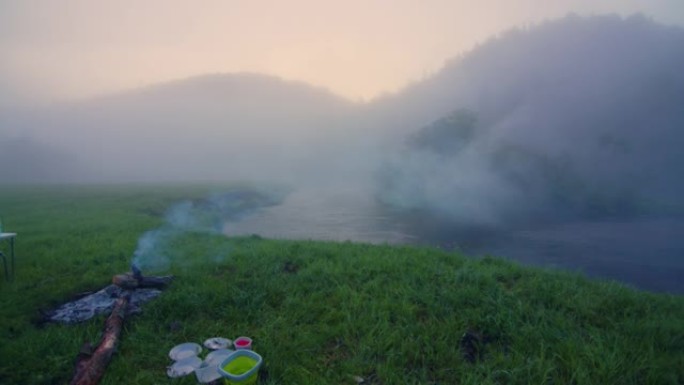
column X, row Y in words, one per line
column 91, row 365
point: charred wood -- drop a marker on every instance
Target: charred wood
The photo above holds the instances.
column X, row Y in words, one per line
column 133, row 281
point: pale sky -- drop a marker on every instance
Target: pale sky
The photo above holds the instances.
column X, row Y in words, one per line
column 359, row 49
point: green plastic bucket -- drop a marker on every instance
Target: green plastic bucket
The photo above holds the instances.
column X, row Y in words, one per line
column 241, row 367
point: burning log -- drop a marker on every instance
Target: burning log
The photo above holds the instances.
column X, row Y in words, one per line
column 136, row 280
column 128, row 281
column 90, row 367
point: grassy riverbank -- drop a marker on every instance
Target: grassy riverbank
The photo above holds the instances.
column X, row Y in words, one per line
column 319, row 312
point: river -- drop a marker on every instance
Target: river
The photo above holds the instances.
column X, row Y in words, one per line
column 646, row 253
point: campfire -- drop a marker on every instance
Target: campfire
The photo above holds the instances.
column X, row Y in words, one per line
column 135, row 280
column 134, row 284
column 123, row 297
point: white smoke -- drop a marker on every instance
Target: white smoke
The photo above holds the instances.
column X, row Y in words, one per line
column 205, row 216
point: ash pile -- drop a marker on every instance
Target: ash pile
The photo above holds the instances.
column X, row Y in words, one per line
column 134, row 284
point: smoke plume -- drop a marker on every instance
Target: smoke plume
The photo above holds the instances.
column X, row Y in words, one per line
column 205, row 216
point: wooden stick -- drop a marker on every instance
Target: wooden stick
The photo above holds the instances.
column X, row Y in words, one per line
column 90, row 367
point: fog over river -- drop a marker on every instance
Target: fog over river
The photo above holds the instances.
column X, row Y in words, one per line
column 642, row 252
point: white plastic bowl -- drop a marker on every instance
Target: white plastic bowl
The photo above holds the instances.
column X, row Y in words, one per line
column 185, row 350
column 184, row 367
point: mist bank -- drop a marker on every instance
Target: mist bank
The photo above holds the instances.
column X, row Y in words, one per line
column 208, row 128
column 580, row 117
column 573, row 117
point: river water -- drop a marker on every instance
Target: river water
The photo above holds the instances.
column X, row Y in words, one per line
column 647, row 253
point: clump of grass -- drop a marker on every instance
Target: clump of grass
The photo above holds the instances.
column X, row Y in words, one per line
column 321, row 312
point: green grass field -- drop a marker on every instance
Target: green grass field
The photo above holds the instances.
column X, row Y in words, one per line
column 319, row 312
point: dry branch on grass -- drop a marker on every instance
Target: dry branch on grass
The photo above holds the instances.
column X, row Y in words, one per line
column 90, row 366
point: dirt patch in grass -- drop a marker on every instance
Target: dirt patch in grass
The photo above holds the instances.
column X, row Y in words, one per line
column 473, row 345
column 290, row 267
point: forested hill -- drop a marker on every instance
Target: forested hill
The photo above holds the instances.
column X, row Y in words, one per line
column 579, row 115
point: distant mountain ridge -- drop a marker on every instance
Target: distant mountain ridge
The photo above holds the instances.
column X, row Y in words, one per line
column 206, row 127
column 244, row 86
column 550, row 55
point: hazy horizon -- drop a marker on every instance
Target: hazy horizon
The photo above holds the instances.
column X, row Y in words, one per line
column 574, row 120
column 71, row 49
